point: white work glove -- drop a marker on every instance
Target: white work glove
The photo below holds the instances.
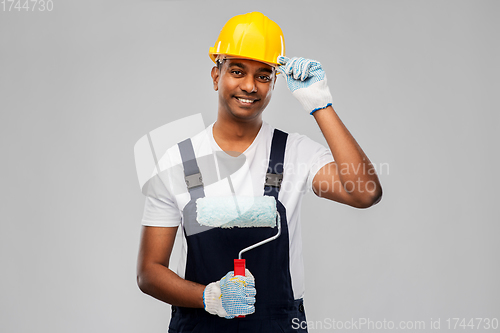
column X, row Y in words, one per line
column 307, row 82
column 231, row 296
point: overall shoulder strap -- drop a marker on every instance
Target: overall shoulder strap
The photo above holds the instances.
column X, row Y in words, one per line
column 274, row 175
column 192, row 174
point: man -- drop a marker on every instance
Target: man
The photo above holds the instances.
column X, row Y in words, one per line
column 205, row 294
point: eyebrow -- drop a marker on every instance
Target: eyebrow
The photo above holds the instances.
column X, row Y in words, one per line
column 260, row 70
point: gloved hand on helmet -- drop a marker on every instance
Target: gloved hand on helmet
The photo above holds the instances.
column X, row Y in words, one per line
column 306, row 79
column 231, row 296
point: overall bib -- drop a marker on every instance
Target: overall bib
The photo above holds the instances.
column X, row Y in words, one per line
column 211, row 252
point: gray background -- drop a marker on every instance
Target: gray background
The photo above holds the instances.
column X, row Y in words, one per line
column 414, row 81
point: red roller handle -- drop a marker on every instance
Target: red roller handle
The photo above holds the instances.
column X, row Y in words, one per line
column 239, row 269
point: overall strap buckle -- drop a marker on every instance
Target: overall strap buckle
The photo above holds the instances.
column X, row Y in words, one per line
column 274, row 180
column 192, row 174
column 194, row 180
column 274, row 175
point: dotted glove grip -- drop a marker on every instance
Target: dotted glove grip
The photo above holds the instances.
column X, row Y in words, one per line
column 232, row 296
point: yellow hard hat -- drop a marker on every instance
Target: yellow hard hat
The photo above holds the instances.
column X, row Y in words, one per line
column 253, row 36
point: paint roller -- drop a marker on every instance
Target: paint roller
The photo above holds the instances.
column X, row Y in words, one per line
column 241, row 212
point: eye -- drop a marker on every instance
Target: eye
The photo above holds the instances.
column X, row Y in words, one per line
column 265, row 78
column 236, row 72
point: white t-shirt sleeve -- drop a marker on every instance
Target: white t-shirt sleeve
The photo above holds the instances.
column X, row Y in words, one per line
column 322, row 158
column 158, row 213
column 317, row 155
column 160, row 209
column 303, row 159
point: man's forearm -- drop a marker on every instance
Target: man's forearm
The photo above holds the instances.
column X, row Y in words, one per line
column 161, row 283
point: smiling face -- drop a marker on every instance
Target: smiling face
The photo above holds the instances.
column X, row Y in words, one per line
column 245, row 88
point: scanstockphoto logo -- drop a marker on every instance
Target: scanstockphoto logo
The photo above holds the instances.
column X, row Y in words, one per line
column 342, row 168
column 335, row 181
column 357, row 324
column 356, row 174
column 463, row 324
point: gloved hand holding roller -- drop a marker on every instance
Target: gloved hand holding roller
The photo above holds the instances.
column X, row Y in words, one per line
column 231, row 296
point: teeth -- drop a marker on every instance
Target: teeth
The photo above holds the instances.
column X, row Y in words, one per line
column 245, row 100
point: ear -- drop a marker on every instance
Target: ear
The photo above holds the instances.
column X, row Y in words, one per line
column 215, row 77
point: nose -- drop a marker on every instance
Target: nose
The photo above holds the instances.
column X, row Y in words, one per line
column 248, row 85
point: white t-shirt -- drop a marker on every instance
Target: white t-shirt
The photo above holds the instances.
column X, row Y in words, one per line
column 303, row 159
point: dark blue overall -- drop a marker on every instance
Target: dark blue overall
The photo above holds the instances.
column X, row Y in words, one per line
column 211, row 253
